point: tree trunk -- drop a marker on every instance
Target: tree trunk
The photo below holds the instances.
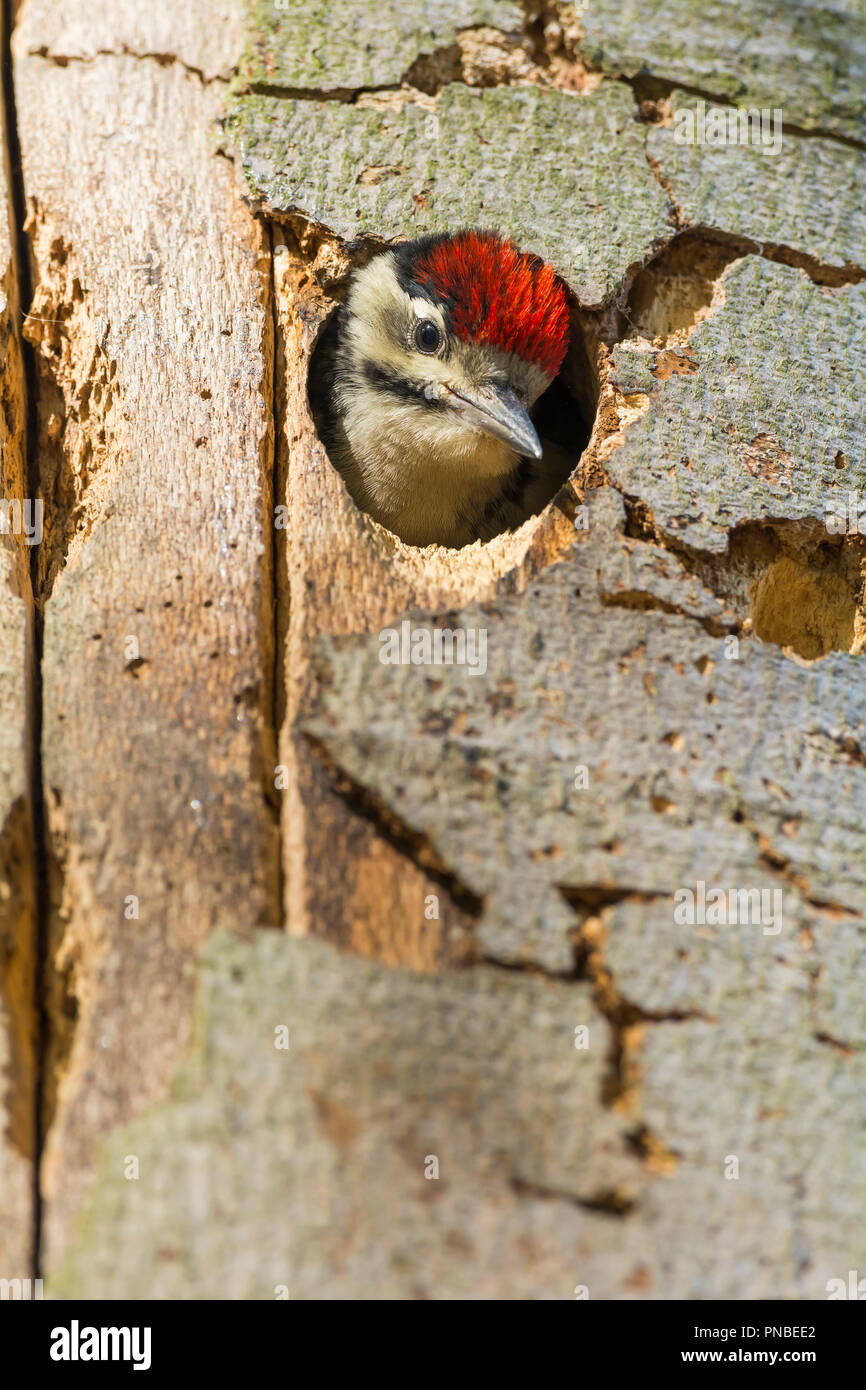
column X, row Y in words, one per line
column 322, row 975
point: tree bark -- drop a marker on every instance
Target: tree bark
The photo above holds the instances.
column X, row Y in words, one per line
column 342, row 979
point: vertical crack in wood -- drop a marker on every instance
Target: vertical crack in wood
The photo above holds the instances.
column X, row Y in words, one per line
column 278, row 553
column 21, row 263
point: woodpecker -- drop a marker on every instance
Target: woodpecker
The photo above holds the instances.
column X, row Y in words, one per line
column 441, row 349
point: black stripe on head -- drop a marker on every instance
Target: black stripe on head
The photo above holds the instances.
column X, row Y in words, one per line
column 406, row 259
column 409, row 253
column 400, row 387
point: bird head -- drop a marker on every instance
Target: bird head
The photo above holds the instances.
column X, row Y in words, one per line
column 445, row 344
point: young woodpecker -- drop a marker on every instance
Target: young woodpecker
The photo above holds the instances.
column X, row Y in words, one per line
column 438, row 354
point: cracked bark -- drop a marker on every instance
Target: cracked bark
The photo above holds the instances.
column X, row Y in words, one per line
column 62, row 60
column 174, row 333
column 19, row 907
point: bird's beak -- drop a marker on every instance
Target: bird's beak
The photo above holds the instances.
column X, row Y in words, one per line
column 497, row 410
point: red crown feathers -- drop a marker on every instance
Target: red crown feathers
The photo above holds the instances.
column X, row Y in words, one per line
column 499, row 295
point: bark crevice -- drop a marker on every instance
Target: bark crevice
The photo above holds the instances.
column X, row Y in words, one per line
column 37, row 815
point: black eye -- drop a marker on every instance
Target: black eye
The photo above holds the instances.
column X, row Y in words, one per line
column 428, row 336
